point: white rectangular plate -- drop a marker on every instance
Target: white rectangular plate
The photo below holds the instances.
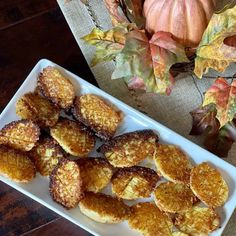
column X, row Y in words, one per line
column 133, row 120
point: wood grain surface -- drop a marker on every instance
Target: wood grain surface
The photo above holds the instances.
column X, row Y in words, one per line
column 29, row 31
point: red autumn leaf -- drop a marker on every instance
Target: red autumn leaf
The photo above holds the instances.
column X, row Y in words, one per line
column 223, row 95
column 134, row 11
column 204, row 118
column 116, row 14
column 221, row 142
column 143, row 62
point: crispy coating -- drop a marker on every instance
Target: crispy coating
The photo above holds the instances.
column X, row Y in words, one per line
column 173, row 164
column 16, row 165
column 198, row 221
column 65, row 184
column 131, row 148
column 104, row 208
column 208, row 185
column 179, row 234
column 54, row 86
column 97, row 114
column 174, row 197
column 73, row 137
column 96, row 173
column 38, row 109
column 147, row 219
column 21, row 135
column 46, row 155
column 134, row 182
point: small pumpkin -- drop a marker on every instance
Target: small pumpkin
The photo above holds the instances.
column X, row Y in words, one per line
column 185, row 19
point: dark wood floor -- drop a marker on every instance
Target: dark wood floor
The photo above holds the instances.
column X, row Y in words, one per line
column 31, row 30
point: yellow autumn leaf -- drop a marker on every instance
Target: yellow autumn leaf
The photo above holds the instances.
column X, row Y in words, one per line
column 212, row 52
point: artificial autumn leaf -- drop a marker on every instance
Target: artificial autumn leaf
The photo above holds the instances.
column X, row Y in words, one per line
column 203, row 119
column 116, row 14
column 134, row 11
column 221, row 142
column 134, row 61
column 231, row 41
column 223, row 95
column 108, row 44
column 149, row 61
column 212, row 51
column 165, row 53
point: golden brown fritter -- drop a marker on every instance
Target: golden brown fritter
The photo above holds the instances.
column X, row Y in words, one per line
column 65, row 184
column 174, row 197
column 179, row 234
column 54, row 86
column 104, row 208
column 46, row 155
column 97, row 114
column 21, row 135
column 198, row 221
column 172, row 163
column 208, row 185
column 38, row 109
column 16, row 165
column 131, row 148
column 134, row 182
column 148, row 220
column 73, row 137
column 96, row 173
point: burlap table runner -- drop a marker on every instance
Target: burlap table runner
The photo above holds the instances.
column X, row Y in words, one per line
column 172, row 111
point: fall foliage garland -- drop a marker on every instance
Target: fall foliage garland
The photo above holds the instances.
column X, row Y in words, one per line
column 144, row 61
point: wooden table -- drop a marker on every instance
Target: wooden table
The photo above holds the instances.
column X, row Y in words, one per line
column 31, row 30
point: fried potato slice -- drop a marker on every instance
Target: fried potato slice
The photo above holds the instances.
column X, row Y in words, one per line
column 97, row 114
column 96, row 173
column 208, row 185
column 46, row 155
column 16, row 165
column 73, row 137
column 21, row 135
column 131, row 148
column 174, row 197
column 38, row 109
column 104, row 208
column 65, row 184
column 198, row 221
column 54, row 86
column 134, row 182
column 148, row 220
column 172, row 163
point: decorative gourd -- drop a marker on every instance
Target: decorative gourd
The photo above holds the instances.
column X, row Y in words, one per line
column 185, row 19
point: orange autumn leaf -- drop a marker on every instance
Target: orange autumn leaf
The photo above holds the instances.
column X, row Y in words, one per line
column 223, row 95
column 213, row 52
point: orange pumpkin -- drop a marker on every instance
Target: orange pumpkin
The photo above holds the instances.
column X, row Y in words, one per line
column 185, row 19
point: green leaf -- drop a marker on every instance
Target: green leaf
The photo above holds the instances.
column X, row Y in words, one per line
column 204, row 118
column 223, row 95
column 108, row 44
column 212, row 51
column 149, row 61
column 135, row 59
